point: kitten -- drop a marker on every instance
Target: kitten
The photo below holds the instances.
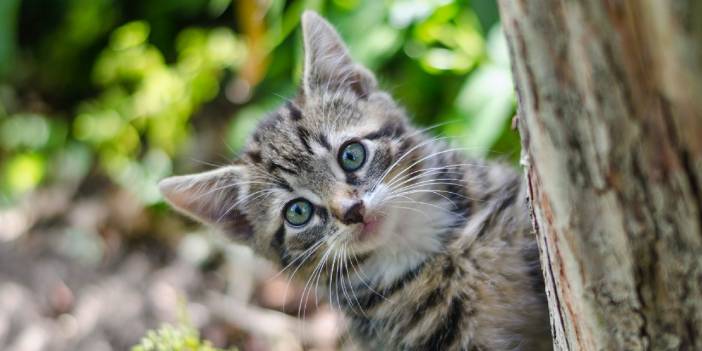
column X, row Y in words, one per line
column 421, row 248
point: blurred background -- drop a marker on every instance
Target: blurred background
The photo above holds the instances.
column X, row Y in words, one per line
column 99, row 99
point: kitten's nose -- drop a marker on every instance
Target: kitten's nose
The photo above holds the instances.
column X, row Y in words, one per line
column 352, row 214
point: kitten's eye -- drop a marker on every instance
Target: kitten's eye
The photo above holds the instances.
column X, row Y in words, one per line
column 298, row 212
column 352, row 155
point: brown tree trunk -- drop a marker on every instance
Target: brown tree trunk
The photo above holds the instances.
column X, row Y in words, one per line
column 610, row 114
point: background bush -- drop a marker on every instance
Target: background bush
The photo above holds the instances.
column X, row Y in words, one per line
column 127, row 88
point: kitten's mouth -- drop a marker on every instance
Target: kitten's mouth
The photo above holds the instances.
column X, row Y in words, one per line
column 369, row 229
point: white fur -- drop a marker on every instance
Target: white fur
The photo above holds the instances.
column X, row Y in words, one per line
column 406, row 237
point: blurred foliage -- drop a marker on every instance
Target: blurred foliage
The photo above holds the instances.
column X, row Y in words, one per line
column 179, row 337
column 174, row 338
column 132, row 90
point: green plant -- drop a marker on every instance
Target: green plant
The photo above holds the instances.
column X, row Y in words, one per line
column 174, row 338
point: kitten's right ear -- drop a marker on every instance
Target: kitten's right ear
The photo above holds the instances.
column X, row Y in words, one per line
column 210, row 197
column 328, row 64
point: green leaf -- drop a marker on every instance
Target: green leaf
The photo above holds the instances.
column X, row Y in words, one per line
column 8, row 22
column 174, row 338
column 23, row 172
column 486, row 100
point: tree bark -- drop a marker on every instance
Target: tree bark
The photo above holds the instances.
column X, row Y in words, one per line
column 610, row 114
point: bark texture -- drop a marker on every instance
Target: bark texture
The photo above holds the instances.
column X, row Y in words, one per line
column 610, row 113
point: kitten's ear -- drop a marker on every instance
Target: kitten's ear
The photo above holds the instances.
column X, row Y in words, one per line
column 328, row 64
column 212, row 198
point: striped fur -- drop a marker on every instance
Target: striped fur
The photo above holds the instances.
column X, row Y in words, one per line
column 451, row 263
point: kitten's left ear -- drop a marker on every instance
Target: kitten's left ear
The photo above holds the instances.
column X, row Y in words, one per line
column 212, row 198
column 328, row 64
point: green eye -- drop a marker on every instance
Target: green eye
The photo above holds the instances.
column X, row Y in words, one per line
column 298, row 212
column 352, row 156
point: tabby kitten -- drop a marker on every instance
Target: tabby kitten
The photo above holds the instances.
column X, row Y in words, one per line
column 421, row 248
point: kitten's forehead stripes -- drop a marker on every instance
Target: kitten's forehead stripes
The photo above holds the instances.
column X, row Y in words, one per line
column 297, row 161
column 387, row 130
column 294, row 112
column 294, row 160
column 304, row 136
column 254, row 159
column 272, row 166
column 277, row 180
column 284, row 184
column 322, row 139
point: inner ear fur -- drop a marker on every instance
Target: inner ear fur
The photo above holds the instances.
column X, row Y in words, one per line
column 211, row 197
column 328, row 65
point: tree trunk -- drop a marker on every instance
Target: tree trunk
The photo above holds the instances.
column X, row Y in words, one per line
column 610, row 114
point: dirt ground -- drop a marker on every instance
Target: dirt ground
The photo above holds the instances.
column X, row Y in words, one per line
column 96, row 272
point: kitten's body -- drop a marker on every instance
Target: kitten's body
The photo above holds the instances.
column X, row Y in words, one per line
column 479, row 292
column 423, row 249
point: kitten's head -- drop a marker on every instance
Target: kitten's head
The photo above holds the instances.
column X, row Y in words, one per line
column 323, row 171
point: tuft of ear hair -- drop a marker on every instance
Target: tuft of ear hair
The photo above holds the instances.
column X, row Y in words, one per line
column 328, row 65
column 211, row 197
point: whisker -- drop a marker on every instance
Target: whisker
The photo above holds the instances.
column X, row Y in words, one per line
column 331, row 243
column 355, row 257
column 339, row 281
column 215, row 189
column 331, row 279
column 206, row 163
column 305, row 293
column 394, row 164
column 305, row 258
column 411, row 209
column 353, row 298
column 435, row 192
column 425, row 172
column 425, row 185
column 441, row 169
column 439, row 181
column 428, row 157
column 423, row 177
column 263, row 192
column 431, row 205
column 420, row 189
column 314, row 246
column 437, row 125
